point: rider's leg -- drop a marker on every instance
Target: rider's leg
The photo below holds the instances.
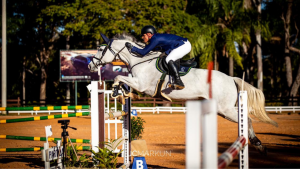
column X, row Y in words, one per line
column 179, row 52
column 177, row 81
column 174, row 55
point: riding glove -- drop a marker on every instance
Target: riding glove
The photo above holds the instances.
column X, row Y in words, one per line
column 129, row 46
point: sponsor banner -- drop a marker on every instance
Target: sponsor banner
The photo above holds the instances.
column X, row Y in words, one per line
column 74, row 67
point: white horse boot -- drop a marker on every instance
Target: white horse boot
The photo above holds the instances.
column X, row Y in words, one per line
column 174, row 71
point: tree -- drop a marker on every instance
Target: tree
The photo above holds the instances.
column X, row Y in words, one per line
column 221, row 29
column 288, row 23
column 90, row 18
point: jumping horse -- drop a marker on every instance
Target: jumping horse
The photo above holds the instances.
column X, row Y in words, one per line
column 145, row 76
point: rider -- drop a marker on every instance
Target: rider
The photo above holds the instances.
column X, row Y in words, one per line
column 174, row 46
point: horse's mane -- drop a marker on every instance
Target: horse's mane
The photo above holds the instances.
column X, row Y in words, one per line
column 124, row 36
column 129, row 37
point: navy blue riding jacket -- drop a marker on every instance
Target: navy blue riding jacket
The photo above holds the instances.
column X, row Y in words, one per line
column 163, row 42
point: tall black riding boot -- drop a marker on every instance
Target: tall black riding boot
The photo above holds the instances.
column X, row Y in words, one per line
column 173, row 70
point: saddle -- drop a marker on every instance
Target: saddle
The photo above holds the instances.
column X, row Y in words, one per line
column 183, row 66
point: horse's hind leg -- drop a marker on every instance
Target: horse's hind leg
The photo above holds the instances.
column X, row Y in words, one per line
column 254, row 140
column 232, row 115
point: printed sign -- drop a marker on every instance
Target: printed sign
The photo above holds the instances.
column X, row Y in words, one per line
column 52, row 153
column 74, row 67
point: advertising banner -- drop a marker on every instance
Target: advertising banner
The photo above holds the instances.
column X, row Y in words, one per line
column 74, row 67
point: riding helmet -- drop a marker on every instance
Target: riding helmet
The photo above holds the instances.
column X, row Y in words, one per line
column 148, row 29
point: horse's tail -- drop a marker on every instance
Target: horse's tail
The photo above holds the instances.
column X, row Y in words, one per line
column 256, row 102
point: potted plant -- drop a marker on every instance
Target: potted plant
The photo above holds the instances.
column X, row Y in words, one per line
column 138, row 145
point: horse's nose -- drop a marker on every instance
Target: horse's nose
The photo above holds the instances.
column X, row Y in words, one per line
column 89, row 66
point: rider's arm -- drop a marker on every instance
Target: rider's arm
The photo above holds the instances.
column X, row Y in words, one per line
column 147, row 49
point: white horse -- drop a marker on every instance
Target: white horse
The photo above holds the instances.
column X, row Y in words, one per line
column 145, row 76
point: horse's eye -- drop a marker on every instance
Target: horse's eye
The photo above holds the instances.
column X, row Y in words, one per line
column 100, row 49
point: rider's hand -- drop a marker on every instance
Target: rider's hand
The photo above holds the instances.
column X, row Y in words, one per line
column 129, row 46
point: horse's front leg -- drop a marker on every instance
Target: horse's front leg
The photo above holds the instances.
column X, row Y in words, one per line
column 115, row 90
column 117, row 87
column 120, row 80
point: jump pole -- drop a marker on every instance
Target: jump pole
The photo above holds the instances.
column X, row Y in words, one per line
column 94, row 116
column 209, row 134
column 98, row 120
column 77, row 107
column 243, row 129
column 36, row 149
column 42, row 138
column 193, row 127
column 36, row 118
column 126, row 129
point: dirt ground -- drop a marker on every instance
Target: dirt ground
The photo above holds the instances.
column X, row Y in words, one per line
column 165, row 137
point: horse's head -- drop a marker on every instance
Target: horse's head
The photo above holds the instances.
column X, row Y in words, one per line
column 104, row 55
column 113, row 50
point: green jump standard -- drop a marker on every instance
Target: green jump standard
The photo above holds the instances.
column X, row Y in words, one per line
column 41, row 138
column 35, row 149
column 45, row 108
column 45, row 117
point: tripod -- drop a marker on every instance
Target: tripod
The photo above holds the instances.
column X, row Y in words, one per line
column 65, row 136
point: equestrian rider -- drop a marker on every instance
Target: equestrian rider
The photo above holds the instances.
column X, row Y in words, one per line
column 174, row 46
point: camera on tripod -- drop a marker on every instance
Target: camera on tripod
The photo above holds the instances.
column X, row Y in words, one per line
column 64, row 123
column 65, row 136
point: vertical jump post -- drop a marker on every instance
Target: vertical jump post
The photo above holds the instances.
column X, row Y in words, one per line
column 126, row 129
column 243, row 128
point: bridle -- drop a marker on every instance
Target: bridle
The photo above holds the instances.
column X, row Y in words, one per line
column 116, row 56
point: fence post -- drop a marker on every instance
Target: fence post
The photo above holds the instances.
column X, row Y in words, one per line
column 127, row 128
column 101, row 96
column 209, row 134
column 243, row 128
column 94, row 114
column 193, row 137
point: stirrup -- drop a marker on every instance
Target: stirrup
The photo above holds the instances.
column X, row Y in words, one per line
column 175, row 86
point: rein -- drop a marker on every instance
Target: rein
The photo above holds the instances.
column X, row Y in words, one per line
column 143, row 62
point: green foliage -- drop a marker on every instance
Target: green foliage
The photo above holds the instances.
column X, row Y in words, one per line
column 221, row 29
column 90, row 17
column 71, row 159
column 105, row 157
column 212, row 26
column 137, row 128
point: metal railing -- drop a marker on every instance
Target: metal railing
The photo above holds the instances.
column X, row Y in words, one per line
column 280, row 109
column 269, row 109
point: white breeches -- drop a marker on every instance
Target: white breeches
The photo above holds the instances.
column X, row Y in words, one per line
column 179, row 52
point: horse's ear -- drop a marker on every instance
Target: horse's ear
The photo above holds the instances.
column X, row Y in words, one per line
column 106, row 40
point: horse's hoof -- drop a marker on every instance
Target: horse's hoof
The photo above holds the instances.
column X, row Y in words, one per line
column 134, row 96
column 114, row 95
column 115, row 84
column 257, row 144
column 262, row 149
column 121, row 100
column 125, row 92
column 255, row 141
